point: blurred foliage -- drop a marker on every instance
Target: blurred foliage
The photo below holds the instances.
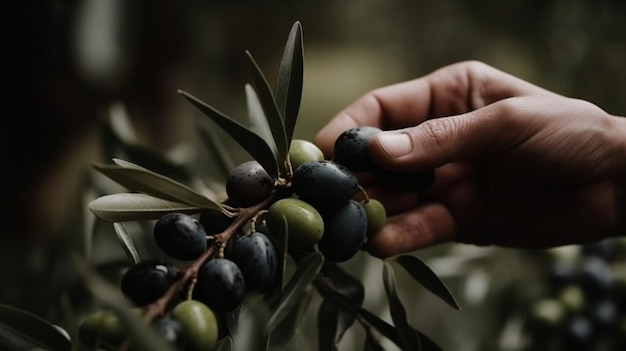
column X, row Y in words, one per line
column 89, row 82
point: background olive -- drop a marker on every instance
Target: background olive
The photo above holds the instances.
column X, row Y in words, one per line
column 214, row 221
column 180, row 236
column 345, row 229
column 248, row 184
column 350, row 148
column 199, row 325
column 220, row 285
column 302, row 151
column 305, row 225
column 324, row 184
column 376, row 215
column 146, row 281
column 257, row 259
column 101, row 329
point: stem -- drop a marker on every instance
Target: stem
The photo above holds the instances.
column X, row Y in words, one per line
column 362, row 191
column 160, row 307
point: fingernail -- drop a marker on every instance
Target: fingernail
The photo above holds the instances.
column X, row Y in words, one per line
column 395, row 144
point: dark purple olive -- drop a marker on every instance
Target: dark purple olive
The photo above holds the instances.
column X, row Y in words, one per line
column 146, row 281
column 257, row 259
column 350, row 148
column 221, row 285
column 214, row 221
column 248, row 184
column 345, row 230
column 180, row 236
column 324, row 184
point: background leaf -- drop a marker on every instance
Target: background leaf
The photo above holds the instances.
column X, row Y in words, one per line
column 290, row 79
column 137, row 178
column 426, row 277
column 19, row 328
column 333, row 318
column 250, row 141
column 225, row 344
column 250, row 333
column 124, row 207
column 258, row 121
column 306, row 272
column 408, row 338
column 212, row 141
column 127, row 242
column 272, row 115
column 282, row 247
column 283, row 334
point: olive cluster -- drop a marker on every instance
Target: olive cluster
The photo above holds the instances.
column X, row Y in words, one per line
column 313, row 206
column 220, row 284
column 584, row 307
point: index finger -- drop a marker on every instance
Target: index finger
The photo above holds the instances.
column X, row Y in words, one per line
column 451, row 90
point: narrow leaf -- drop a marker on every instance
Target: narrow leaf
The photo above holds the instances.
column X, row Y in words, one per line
column 408, row 338
column 225, row 344
column 124, row 207
column 18, row 327
column 289, row 326
column 213, row 143
column 390, row 332
column 306, row 272
column 282, row 248
column 137, row 178
column 427, row 278
column 290, row 80
column 127, row 242
column 251, row 334
column 272, row 115
column 258, row 121
column 250, row 141
column 333, row 318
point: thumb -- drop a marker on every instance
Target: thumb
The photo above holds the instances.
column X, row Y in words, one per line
column 436, row 142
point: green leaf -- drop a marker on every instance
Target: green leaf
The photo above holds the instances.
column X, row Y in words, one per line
column 258, row 121
column 250, row 141
column 124, row 207
column 333, row 318
column 251, row 334
column 225, row 344
column 427, row 278
column 127, row 242
column 137, row 178
column 272, row 115
column 290, row 80
column 282, row 248
column 288, row 327
column 306, row 272
column 390, row 332
column 408, row 338
column 23, row 330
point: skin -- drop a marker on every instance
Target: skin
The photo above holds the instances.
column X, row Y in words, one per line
column 515, row 165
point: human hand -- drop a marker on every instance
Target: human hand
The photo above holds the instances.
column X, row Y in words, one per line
column 515, row 165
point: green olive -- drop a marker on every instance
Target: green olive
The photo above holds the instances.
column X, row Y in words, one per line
column 305, row 225
column 376, row 215
column 302, row 151
column 199, row 324
column 102, row 328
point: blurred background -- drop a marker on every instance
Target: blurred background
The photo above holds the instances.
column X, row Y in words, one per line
column 88, row 80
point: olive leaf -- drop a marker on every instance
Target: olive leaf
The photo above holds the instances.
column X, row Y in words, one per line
column 306, row 272
column 289, row 326
column 23, row 330
column 137, row 178
column 124, row 207
column 258, row 121
column 272, row 115
column 250, row 141
column 426, row 277
column 289, row 81
column 333, row 318
column 224, row 344
column 409, row 340
column 127, row 242
column 282, row 247
column 212, row 141
column 390, row 332
column 250, row 333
